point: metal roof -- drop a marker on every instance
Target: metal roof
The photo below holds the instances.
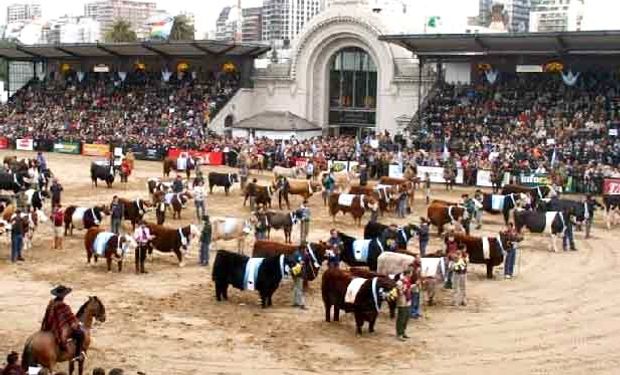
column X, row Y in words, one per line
column 196, row 48
column 459, row 45
column 276, row 120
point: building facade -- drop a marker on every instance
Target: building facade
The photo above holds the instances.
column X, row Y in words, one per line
column 71, row 30
column 518, row 13
column 107, row 12
column 227, row 24
column 23, row 12
column 484, row 12
column 252, row 25
column 339, row 77
column 556, row 15
column 283, row 20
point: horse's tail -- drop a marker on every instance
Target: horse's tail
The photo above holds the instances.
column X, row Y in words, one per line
column 27, row 355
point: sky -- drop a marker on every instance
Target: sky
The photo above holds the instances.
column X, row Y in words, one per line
column 599, row 14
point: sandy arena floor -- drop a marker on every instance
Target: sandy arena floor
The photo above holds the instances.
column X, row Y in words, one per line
column 559, row 316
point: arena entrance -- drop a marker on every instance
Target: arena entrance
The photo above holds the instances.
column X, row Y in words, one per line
column 352, row 93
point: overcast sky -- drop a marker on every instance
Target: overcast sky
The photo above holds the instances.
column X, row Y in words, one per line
column 599, row 14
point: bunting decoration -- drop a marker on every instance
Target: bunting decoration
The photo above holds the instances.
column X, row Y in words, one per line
column 122, row 76
column 491, row 75
column 570, row 79
column 165, row 75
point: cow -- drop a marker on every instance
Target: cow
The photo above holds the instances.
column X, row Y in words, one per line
column 552, row 222
column 493, row 203
column 30, row 220
column 171, row 240
column 342, row 179
column 262, row 194
column 106, row 173
column 342, row 290
column 179, row 164
column 555, row 204
column 84, row 217
column 485, row 250
column 537, row 193
column 282, row 220
column 440, row 215
column 303, row 188
column 403, row 185
column 177, row 202
column 156, row 185
column 100, row 243
column 231, row 228
column 14, row 181
column 294, row 172
column 403, row 234
column 351, row 203
column 612, row 208
column 361, row 252
column 44, row 178
column 134, row 210
column 245, row 273
column 312, row 253
column 36, row 198
column 226, row 180
column 386, row 195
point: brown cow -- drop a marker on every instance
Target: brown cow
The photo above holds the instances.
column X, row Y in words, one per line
column 342, row 179
column 440, row 215
column 134, row 210
column 303, row 188
column 367, row 302
column 385, row 195
column 171, row 240
column 496, row 248
column 261, row 193
column 357, row 206
column 110, row 245
column 177, row 201
column 170, row 164
column 403, row 185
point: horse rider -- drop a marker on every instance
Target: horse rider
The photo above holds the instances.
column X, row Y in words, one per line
column 60, row 321
column 143, row 237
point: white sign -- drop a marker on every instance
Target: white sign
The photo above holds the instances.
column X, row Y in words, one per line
column 24, row 144
column 613, row 132
column 101, row 68
column 395, row 171
column 374, row 143
column 436, row 174
column 551, row 141
column 483, row 178
column 529, row 69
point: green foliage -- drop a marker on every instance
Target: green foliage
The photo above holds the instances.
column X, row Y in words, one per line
column 121, row 32
column 182, row 29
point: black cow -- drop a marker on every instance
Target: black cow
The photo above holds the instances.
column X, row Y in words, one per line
column 106, row 173
column 83, row 217
column 573, row 207
column 14, row 182
column 44, row 178
column 36, row 198
column 503, row 203
column 538, row 222
column 537, row 193
column 374, row 230
column 222, row 179
column 230, row 269
column 282, row 220
column 375, row 248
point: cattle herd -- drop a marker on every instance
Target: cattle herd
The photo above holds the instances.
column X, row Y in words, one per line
column 372, row 265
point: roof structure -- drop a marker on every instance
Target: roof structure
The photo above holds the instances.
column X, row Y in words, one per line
column 463, row 45
column 275, row 120
column 196, row 48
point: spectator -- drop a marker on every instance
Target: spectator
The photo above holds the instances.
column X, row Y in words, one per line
column 12, row 365
column 98, row 371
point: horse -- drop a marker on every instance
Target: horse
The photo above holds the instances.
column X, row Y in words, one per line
column 98, row 242
column 41, row 348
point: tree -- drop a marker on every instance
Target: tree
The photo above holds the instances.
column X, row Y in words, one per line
column 182, row 29
column 120, row 32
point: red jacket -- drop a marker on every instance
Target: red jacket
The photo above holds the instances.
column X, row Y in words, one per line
column 59, row 320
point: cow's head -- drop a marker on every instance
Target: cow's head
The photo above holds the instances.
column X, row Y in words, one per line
column 127, row 245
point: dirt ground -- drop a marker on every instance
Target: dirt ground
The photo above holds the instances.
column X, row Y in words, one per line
column 560, row 315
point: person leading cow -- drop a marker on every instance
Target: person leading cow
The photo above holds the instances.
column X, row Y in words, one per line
column 143, row 236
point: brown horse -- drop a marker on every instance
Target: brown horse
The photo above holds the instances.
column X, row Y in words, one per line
column 115, row 246
column 170, row 164
column 41, row 348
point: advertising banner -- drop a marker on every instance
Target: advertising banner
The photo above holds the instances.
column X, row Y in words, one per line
column 436, row 174
column 206, row 158
column 611, row 186
column 90, row 149
column 301, row 162
column 483, row 178
column 67, row 148
column 4, row 143
column 395, row 171
column 24, row 144
column 535, row 179
column 338, row 165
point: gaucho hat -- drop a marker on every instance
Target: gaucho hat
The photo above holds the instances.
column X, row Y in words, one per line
column 61, row 291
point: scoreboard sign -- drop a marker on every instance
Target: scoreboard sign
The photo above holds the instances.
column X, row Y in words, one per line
column 611, row 186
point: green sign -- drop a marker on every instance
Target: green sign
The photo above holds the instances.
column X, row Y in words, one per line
column 535, row 179
column 67, row 148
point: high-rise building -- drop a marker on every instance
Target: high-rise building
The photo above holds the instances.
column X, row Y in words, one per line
column 72, row 30
column 227, row 24
column 556, row 15
column 518, row 13
column 252, row 25
column 484, row 12
column 22, row 12
column 283, row 20
column 106, row 12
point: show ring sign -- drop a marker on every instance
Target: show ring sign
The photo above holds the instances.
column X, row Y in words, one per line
column 90, row 149
column 611, row 186
column 24, row 144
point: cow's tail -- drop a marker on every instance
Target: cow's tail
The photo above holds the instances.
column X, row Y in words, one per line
column 28, row 356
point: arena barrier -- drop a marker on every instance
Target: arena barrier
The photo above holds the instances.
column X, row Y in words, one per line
column 147, row 153
column 91, row 149
column 24, row 144
column 207, row 158
column 4, row 143
column 611, row 186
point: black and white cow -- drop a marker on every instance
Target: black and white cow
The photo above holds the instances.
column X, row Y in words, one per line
column 14, row 182
column 494, row 203
column 552, row 222
column 225, row 180
column 403, row 234
column 103, row 172
column 361, row 252
column 245, row 273
column 611, row 202
column 155, row 185
column 84, row 217
column 575, row 208
column 36, row 198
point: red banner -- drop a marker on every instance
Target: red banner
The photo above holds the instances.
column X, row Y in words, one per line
column 611, row 186
column 207, row 158
column 301, row 162
column 4, row 143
